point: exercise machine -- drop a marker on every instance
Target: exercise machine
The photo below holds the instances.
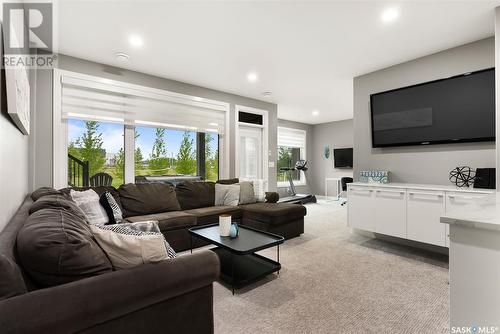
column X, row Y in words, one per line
column 301, row 166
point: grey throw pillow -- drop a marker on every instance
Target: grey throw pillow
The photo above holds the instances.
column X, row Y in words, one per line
column 227, row 194
column 247, row 194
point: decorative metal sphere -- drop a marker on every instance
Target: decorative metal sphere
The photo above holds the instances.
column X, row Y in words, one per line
column 462, row 176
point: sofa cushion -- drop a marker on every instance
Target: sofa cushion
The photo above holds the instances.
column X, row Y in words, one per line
column 54, row 202
column 128, row 246
column 193, row 195
column 247, row 194
column 273, row 213
column 147, row 198
column 211, row 214
column 113, row 210
column 88, row 202
column 168, row 221
column 56, row 246
column 99, row 190
column 11, row 279
column 227, row 194
column 228, row 181
column 44, row 191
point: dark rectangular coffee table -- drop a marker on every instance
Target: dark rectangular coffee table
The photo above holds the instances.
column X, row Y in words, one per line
column 240, row 265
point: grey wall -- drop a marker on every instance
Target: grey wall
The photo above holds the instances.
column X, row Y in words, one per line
column 44, row 150
column 15, row 179
column 420, row 164
column 284, row 191
column 335, row 135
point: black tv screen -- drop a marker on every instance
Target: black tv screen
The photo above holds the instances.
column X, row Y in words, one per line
column 456, row 109
column 342, row 157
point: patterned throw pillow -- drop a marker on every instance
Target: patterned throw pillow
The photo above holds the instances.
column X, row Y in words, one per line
column 88, row 202
column 112, row 208
column 128, row 246
column 260, row 188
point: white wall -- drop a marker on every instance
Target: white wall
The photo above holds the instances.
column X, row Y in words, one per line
column 420, row 164
column 335, row 135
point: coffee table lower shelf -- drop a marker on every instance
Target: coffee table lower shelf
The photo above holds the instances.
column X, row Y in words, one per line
column 240, row 270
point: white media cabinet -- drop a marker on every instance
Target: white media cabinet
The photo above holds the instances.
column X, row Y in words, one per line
column 405, row 210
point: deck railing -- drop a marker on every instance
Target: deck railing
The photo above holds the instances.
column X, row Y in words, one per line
column 78, row 172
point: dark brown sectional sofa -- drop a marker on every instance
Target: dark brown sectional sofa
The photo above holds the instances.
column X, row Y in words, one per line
column 54, row 278
column 49, row 284
column 191, row 204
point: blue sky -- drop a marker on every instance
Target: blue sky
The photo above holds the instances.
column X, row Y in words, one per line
column 112, row 135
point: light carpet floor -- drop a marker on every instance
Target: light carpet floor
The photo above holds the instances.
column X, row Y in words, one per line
column 335, row 282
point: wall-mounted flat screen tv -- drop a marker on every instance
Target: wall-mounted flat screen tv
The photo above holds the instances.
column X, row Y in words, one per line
column 456, row 109
column 342, row 157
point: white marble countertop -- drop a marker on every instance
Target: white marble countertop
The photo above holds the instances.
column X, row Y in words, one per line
column 482, row 213
column 417, row 186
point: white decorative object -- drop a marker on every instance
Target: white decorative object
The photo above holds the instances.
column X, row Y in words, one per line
column 224, row 225
column 18, row 97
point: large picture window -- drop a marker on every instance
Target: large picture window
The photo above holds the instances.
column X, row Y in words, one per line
column 95, row 147
column 291, row 148
column 165, row 152
column 109, row 132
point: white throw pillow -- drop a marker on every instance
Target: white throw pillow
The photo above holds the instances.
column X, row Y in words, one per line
column 88, row 202
column 128, row 248
column 227, row 194
column 259, row 188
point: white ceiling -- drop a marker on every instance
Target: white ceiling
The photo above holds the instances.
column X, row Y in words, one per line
column 306, row 53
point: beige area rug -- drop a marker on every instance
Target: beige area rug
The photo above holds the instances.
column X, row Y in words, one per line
column 335, row 282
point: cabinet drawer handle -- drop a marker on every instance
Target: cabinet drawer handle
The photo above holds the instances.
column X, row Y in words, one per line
column 428, row 194
column 463, row 197
column 354, row 189
column 391, row 191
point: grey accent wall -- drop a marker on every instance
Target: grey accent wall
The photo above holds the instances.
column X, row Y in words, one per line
column 335, row 135
column 420, row 164
column 285, row 191
column 15, row 179
column 44, row 150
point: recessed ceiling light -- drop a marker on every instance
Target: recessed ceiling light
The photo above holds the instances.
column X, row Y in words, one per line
column 122, row 56
column 315, row 113
column 214, row 124
column 135, row 41
column 252, row 77
column 390, row 15
column 267, row 94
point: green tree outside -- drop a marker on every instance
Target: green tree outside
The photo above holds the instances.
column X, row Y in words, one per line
column 186, row 158
column 211, row 159
column 158, row 159
column 89, row 148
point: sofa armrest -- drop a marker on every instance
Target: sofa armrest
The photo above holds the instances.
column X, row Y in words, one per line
column 82, row 304
column 272, row 197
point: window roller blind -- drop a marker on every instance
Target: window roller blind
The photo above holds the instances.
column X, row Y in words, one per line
column 109, row 102
column 291, row 137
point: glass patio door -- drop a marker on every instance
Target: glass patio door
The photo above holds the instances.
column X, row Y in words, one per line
column 250, row 152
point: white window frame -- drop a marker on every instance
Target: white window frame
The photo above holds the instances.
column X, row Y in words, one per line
column 60, row 126
column 303, row 156
column 265, row 138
